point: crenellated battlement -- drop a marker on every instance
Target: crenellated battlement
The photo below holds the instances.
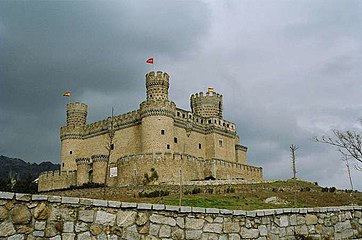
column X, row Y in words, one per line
column 99, row 158
column 82, row 161
column 207, row 105
column 76, row 115
column 157, row 85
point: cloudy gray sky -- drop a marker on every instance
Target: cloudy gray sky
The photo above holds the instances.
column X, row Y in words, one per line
column 288, row 70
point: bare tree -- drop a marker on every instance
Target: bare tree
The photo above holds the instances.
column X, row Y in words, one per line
column 293, row 148
column 346, row 159
column 348, row 143
column 110, row 144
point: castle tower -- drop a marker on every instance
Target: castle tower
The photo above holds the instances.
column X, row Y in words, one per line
column 71, row 135
column 83, row 168
column 99, row 168
column 157, row 86
column 76, row 114
column 157, row 114
column 207, row 105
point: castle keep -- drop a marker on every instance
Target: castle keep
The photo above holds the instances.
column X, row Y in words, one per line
column 156, row 143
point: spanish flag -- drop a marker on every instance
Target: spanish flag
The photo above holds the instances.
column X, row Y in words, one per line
column 210, row 89
column 150, row 61
column 66, row 94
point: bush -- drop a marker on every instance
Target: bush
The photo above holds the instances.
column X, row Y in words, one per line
column 156, row 193
column 196, row 191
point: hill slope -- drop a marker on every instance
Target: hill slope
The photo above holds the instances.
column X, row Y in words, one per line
column 23, row 169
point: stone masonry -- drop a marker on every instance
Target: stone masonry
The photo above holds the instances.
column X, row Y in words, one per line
column 52, row 217
column 199, row 143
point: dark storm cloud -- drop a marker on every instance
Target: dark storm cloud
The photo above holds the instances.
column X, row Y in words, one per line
column 288, row 71
column 90, row 48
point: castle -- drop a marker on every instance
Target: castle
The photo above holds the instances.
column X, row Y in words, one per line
column 157, row 143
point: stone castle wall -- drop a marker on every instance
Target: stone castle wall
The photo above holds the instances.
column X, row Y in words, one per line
column 53, row 217
column 57, row 180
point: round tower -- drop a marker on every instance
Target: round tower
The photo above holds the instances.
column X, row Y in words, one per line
column 83, row 168
column 157, row 114
column 206, row 105
column 157, row 86
column 71, row 135
column 76, row 114
column 99, row 168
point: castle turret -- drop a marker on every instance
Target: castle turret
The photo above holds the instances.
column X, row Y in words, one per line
column 207, row 105
column 76, row 114
column 99, row 168
column 157, row 86
column 83, row 168
column 71, row 135
column 157, row 114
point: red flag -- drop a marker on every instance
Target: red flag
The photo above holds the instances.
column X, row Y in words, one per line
column 150, row 61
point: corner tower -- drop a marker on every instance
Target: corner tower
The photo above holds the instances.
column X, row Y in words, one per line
column 157, row 114
column 207, row 105
column 71, row 135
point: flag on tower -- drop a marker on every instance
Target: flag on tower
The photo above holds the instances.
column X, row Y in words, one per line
column 150, row 61
column 66, row 94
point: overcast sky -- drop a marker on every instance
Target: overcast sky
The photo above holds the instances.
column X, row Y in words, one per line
column 288, row 71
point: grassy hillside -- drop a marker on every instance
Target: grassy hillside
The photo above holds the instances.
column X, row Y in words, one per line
column 252, row 196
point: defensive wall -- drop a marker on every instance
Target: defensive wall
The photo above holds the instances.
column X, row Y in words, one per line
column 131, row 170
column 25, row 216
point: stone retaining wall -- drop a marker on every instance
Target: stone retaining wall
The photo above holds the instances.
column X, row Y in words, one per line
column 53, row 217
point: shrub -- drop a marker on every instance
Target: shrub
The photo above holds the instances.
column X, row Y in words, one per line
column 156, row 193
column 196, row 191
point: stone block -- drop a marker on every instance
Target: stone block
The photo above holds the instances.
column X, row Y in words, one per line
column 16, row 237
column 23, row 197
column 6, row 229
column 198, row 210
column 226, row 211
column 38, row 233
column 68, row 227
column 160, row 219
column 6, row 195
column 212, row 210
column 158, row 207
column 114, row 204
column 165, row 231
column 311, row 219
column 284, row 221
column 84, row 236
column 39, row 225
column 249, row 233
column 55, row 199
column 239, row 213
column 128, row 205
column 213, row 228
column 144, row 206
column 126, row 218
column 70, row 200
column 86, row 215
column 231, row 227
column 100, row 203
column 193, row 234
column 37, row 197
column 20, row 214
column 194, row 223
column 234, row 236
column 185, row 209
column 172, row 208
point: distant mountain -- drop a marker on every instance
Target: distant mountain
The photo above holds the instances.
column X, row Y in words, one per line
column 23, row 169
